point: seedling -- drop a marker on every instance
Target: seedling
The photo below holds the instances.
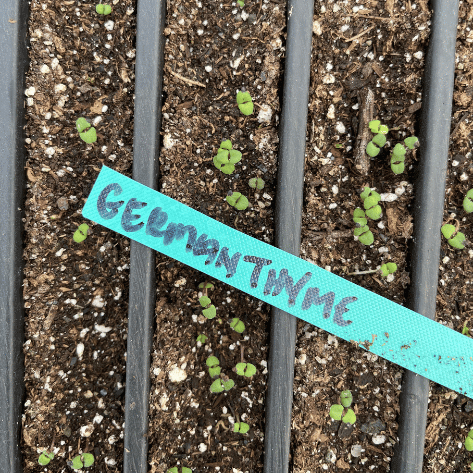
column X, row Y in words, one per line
column 237, row 325
column 387, row 269
column 359, row 217
column 376, row 127
column 455, row 239
column 374, row 146
column 240, row 202
column 365, row 236
column 89, row 136
column 103, row 9
column 45, row 458
column 337, row 410
column 465, row 330
column 222, row 384
column 469, row 441
column 346, row 398
column 246, row 369
column 175, row 469
column 202, row 338
column 81, row 233
column 214, row 370
column 339, row 146
column 205, row 286
column 245, row 102
column 209, row 309
column 468, row 202
column 226, row 157
column 241, row 3
column 399, row 154
column 370, row 202
column 241, row 427
column 82, row 461
column 256, row 183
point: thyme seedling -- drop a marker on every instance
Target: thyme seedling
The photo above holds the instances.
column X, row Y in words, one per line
column 241, row 427
column 468, row 202
column 103, row 9
column 246, row 369
column 240, row 202
column 226, row 157
column 337, row 411
column 86, row 132
column 237, row 325
column 244, row 102
column 455, row 239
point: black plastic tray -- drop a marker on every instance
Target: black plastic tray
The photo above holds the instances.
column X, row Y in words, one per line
column 435, row 131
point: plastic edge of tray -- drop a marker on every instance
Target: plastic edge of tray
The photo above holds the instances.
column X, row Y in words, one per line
column 142, row 297
column 14, row 59
column 290, row 185
column 428, row 212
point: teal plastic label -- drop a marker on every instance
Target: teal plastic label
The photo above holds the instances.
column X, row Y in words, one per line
column 282, row 280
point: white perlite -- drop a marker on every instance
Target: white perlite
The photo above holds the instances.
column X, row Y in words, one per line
column 379, row 439
column 176, row 375
column 331, row 112
column 109, row 25
column 265, row 114
column 86, row 430
column 316, row 28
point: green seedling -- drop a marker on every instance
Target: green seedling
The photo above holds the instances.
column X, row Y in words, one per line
column 175, row 469
column 240, row 202
column 81, row 233
column 465, row 330
column 82, row 461
column 376, row 127
column 103, row 9
column 241, row 427
column 256, row 183
column 359, row 217
column 246, row 369
column 365, row 236
column 220, row 385
column 245, row 103
column 202, row 338
column 209, row 309
column 398, row 155
column 388, row 268
column 375, row 145
column 213, row 364
column 226, row 157
column 237, row 325
column 86, row 132
column 241, row 3
column 468, row 202
column 346, row 398
column 339, row 146
column 337, row 410
column 455, row 239
column 206, row 286
column 45, row 458
column 370, row 202
column 469, row 441
column 471, row 466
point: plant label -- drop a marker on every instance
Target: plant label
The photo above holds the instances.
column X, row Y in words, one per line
column 283, row 280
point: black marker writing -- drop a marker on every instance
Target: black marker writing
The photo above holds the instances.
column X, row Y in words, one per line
column 260, row 262
column 285, row 281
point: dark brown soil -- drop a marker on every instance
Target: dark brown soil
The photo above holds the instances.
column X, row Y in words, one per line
column 225, row 50
column 75, row 293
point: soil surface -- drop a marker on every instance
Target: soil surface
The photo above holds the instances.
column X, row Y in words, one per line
column 76, row 294
column 365, row 66
column 210, row 54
